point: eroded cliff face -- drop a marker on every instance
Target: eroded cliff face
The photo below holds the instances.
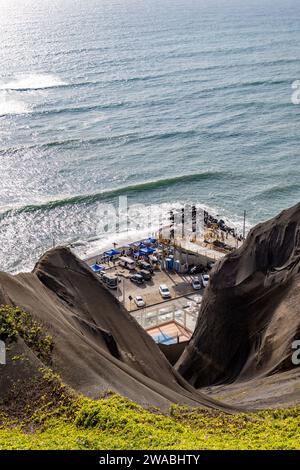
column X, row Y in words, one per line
column 250, row 314
column 243, row 340
column 98, row 346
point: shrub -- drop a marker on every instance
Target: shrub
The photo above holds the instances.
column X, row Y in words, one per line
column 15, row 322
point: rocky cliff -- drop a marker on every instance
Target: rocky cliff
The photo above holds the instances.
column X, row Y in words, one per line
column 250, row 314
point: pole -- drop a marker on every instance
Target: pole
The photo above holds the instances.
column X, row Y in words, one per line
column 244, row 226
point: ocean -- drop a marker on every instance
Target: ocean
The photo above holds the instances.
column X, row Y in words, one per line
column 164, row 101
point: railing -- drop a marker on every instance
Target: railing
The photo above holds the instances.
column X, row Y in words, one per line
column 186, row 317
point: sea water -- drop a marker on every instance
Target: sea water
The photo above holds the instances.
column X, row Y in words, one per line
column 165, row 101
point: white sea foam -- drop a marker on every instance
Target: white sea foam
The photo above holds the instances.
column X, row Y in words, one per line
column 25, row 236
column 93, row 246
column 10, row 105
column 32, row 81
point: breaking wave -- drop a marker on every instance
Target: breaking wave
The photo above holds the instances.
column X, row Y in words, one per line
column 32, row 81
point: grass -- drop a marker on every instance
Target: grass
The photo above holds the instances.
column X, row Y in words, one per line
column 114, row 422
column 50, row 416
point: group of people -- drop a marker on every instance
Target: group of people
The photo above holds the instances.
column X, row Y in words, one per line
column 210, row 221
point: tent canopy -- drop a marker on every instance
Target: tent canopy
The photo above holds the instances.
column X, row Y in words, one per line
column 150, row 240
column 97, row 268
column 147, row 250
column 112, row 252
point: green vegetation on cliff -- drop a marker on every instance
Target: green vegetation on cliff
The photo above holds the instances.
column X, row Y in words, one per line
column 15, row 322
column 48, row 415
column 114, row 422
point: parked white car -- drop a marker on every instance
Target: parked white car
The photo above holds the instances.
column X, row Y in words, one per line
column 139, row 301
column 196, row 284
column 164, row 291
column 205, row 279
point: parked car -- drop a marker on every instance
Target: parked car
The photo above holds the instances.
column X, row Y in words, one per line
column 205, row 279
column 146, row 266
column 111, row 281
column 146, row 274
column 196, row 269
column 127, row 262
column 196, row 284
column 137, row 278
column 164, row 291
column 105, row 278
column 139, row 301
